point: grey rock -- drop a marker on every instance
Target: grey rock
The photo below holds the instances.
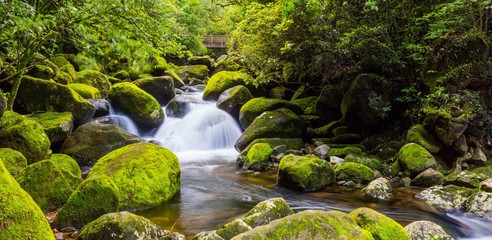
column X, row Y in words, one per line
column 322, row 151
column 379, row 189
column 428, row 178
column 426, row 230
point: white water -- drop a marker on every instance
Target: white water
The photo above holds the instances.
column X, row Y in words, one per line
column 123, row 121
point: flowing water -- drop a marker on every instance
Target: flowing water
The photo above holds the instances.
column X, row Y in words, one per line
column 214, row 191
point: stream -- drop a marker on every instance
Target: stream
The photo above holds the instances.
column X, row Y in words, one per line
column 214, row 191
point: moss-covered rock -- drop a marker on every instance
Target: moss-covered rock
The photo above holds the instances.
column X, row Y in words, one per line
column 24, row 135
column 121, row 225
column 448, row 197
column 48, row 184
column 232, row 229
column 380, row 226
column 267, row 211
column 228, row 63
column 140, row 106
column 85, row 91
column 147, row 175
column 258, row 156
column 63, row 78
column 415, row 158
column 178, row 82
column 92, row 141
column 289, row 143
column 419, row 135
column 232, row 99
column 469, row 178
column 95, row 79
column 36, row 95
column 256, row 106
column 342, row 152
column 279, row 92
column 66, row 163
column 378, row 189
column 161, row 88
column 70, row 70
column 222, row 81
column 307, row 104
column 21, row 218
column 201, row 60
column 310, row 224
column 13, row 160
column 59, row 60
column 155, row 66
column 57, row 125
column 355, row 172
column 305, row 173
column 93, row 198
column 328, row 103
column 426, row 230
column 280, row 123
column 207, row 235
column 188, row 73
column 122, row 75
column 428, row 178
column 370, row 161
column 41, row 72
column 480, row 205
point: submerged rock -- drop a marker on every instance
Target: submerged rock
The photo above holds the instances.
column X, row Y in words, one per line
column 13, row 160
column 304, row 173
column 380, row 226
column 379, row 189
column 426, row 230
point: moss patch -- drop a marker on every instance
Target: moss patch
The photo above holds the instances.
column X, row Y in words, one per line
column 258, row 156
column 85, row 91
column 95, row 79
column 256, row 106
column 13, row 160
column 342, row 152
column 356, row 172
column 57, row 125
column 369, row 161
column 418, row 134
column 307, row 173
column 380, row 226
column 415, row 158
column 222, row 81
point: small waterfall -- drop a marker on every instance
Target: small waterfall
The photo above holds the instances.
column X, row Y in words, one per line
column 121, row 120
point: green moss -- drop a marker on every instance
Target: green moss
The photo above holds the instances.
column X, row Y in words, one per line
column 380, row 226
column 95, row 79
column 84, row 90
column 64, row 78
column 256, row 106
column 42, row 72
column 469, row 178
column 232, row 99
column 415, row 158
column 290, row 143
column 350, row 171
column 161, row 88
column 232, row 229
column 94, row 197
column 187, row 73
column 342, row 152
column 59, row 60
column 418, row 134
column 155, row 66
column 66, row 163
column 20, row 217
column 308, row 173
column 201, row 60
column 178, row 82
column 122, row 75
column 436, row 113
column 305, row 103
column 70, row 69
column 57, row 125
column 137, row 104
column 146, row 175
column 258, row 156
column 24, row 135
column 370, row 161
column 267, row 211
column 13, row 160
column 222, row 81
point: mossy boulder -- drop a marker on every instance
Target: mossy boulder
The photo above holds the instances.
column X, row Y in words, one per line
column 366, row 101
column 426, row 230
column 85, row 91
column 188, row 73
column 232, row 99
column 121, row 225
column 380, row 226
column 267, row 211
column 428, row 178
column 469, row 178
column 378, row 189
column 36, row 95
column 328, row 103
column 232, row 229
column 24, row 135
column 419, row 135
column 280, row 123
column 307, row 104
column 13, row 160
column 356, row 172
column 59, row 60
column 63, row 78
column 95, row 79
column 304, row 173
column 415, row 158
column 57, row 125
column 122, row 75
column 256, row 106
column 370, row 161
column 201, row 60
column 161, row 88
column 344, row 151
column 66, row 163
column 93, row 198
column 92, row 141
column 289, row 143
column 146, row 175
column 41, row 72
column 221, row 81
column 140, row 106
column 448, row 197
column 310, row 224
column 20, row 216
column 480, row 205
column 228, row 63
column 258, row 156
column 48, row 183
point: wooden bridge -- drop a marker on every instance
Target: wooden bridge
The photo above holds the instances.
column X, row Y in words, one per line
column 215, row 41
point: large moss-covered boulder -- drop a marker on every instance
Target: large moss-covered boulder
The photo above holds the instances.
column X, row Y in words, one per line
column 366, row 101
column 426, row 230
column 258, row 156
column 67, row 164
column 20, row 216
column 378, row 189
column 448, row 197
column 48, row 183
column 356, row 172
column 93, row 198
column 95, row 79
column 161, row 88
column 121, row 225
column 41, row 71
column 188, row 73
column 13, row 160
column 304, row 173
column 201, row 60
column 280, row 123
column 24, row 135
column 267, row 211
column 92, row 141
column 37, row 95
column 328, row 103
column 222, row 81
column 146, row 174
column 85, row 91
column 256, row 106
column 232, row 99
column 419, row 135
column 140, row 106
column 310, row 224
column 57, row 125
column 380, row 226
column 415, row 158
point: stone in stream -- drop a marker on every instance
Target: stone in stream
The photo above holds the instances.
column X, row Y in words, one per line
column 379, row 189
column 469, row 178
column 232, row 99
column 221, row 81
column 258, row 156
column 190, row 73
column 486, row 185
column 202, row 60
column 448, row 197
column 257, row 106
column 380, row 226
column 322, row 151
column 350, row 171
column 85, row 91
column 161, row 88
column 13, row 160
column 101, row 105
column 371, row 162
column 426, row 230
column 428, row 178
column 480, row 205
column 304, row 173
column 419, row 135
column 415, row 158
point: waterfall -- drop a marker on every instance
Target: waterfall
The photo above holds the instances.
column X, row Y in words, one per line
column 121, row 120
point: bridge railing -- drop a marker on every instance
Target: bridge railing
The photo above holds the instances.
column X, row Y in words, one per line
column 215, row 41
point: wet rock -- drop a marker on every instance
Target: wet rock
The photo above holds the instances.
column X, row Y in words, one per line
column 379, row 225
column 428, row 178
column 221, row 81
column 57, row 125
column 179, row 106
column 450, row 130
column 419, row 135
column 232, row 99
column 304, row 173
column 448, row 197
column 370, row 161
column 201, row 60
column 336, row 160
column 415, row 158
column 379, row 189
column 469, row 178
column 257, row 106
column 95, row 79
column 124, row 225
column 288, row 143
column 101, row 105
column 258, row 156
column 322, row 151
column 232, row 229
column 426, row 230
column 93, row 140
column 279, row 149
column 208, row 235
column 486, row 185
column 267, row 211
column 188, row 73
column 356, row 172
column 85, row 91
column 161, row 88
column 13, row 160
column 480, row 204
